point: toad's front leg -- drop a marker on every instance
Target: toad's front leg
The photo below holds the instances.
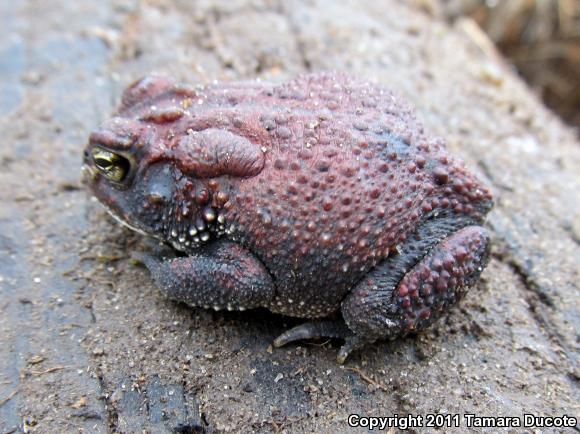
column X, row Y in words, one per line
column 222, row 275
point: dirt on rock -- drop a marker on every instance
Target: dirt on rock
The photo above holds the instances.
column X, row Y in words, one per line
column 88, row 344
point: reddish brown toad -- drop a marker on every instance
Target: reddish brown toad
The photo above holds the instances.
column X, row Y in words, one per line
column 317, row 196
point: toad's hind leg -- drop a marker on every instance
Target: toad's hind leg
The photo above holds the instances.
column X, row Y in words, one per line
column 406, row 293
column 222, row 275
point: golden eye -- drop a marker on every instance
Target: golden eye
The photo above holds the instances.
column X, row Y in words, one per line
column 114, row 166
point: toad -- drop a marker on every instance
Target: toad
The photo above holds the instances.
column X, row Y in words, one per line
column 321, row 198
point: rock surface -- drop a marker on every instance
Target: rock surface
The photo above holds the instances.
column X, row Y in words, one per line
column 87, row 342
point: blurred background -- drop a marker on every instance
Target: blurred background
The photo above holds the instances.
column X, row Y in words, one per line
column 542, row 40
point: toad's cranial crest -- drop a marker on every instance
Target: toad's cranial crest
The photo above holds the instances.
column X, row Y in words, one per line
column 316, row 196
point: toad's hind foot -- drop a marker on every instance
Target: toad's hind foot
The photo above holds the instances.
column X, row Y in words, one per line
column 323, row 329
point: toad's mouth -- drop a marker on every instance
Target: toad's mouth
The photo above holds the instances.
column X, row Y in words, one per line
column 124, row 222
column 203, row 232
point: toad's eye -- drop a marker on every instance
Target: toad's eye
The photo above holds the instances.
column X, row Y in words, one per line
column 114, row 166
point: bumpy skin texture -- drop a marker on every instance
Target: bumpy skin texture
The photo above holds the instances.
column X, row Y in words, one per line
column 317, row 196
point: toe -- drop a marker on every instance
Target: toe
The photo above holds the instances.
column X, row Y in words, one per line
column 302, row 331
column 353, row 342
column 314, row 329
column 150, row 261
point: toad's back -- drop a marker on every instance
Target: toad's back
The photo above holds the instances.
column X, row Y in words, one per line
column 347, row 175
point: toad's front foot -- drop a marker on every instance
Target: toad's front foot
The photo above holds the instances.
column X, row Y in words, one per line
column 222, row 275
